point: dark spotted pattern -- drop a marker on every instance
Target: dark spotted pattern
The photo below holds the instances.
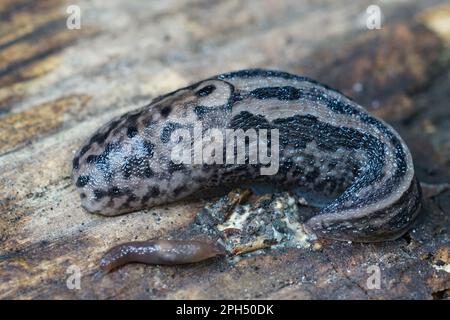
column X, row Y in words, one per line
column 331, row 151
column 207, row 90
column 166, row 132
column 166, row 111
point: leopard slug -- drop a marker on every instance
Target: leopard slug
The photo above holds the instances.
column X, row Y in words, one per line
column 352, row 166
column 163, row 252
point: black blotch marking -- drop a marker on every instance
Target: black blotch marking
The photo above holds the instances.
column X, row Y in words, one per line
column 246, row 120
column 148, row 147
column 333, row 163
column 236, row 97
column 82, row 195
column 166, row 111
column 131, row 197
column 201, row 111
column 336, row 105
column 152, row 192
column 172, row 167
column 312, row 175
column 167, row 131
column 84, row 150
column 206, row 167
column 205, row 91
column 178, row 190
column 76, row 163
column 131, row 166
column 262, row 73
column 102, row 161
column 100, row 137
column 114, row 191
column 132, row 131
column 280, row 93
column 297, row 131
column 82, row 181
column 132, row 118
column 99, row 194
column 298, row 171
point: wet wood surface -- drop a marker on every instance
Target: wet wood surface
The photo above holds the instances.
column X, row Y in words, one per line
column 58, row 85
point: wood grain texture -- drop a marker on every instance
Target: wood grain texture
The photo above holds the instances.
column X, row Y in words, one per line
column 58, row 85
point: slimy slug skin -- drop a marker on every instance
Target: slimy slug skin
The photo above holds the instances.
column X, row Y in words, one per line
column 161, row 252
column 353, row 166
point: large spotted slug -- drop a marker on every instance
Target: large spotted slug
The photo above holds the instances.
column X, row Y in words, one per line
column 353, row 166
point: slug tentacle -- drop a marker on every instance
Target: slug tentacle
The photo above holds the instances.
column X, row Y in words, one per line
column 355, row 167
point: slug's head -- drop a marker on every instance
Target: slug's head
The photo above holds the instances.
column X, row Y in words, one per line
column 127, row 165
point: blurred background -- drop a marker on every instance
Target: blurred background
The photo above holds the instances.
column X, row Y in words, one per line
column 67, row 67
